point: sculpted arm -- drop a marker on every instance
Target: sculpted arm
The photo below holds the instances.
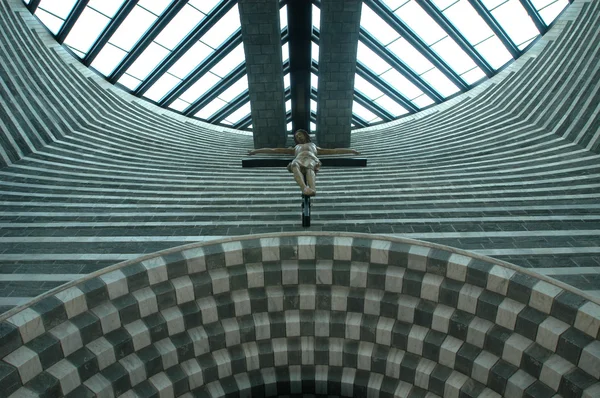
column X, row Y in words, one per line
column 337, row 151
column 285, row 151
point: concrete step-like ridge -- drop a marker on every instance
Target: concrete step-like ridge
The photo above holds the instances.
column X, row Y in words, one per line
column 331, row 314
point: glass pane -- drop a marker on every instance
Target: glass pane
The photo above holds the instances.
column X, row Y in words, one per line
column 236, row 89
column 204, row 5
column 491, row 4
column 289, row 126
column 52, row 23
column 394, row 4
column 420, row 22
column 367, row 57
column 222, row 30
column 286, row 81
column 366, row 88
column 135, row 25
column 179, row 105
column 283, row 18
column 423, row 101
column 106, row 7
column 362, row 112
column 377, row 26
column 314, row 51
column 494, row 52
column 200, row 87
column 411, row 57
column 239, row 114
column 537, row 4
column 443, row 4
column 516, row 22
column 453, row 55
column 314, row 81
column 161, row 87
column 401, row 83
column 210, row 109
column 185, row 20
column 473, row 75
column 552, row 11
column 108, row 58
column 285, row 52
column 468, row 22
column 313, row 127
column 230, row 62
column 129, row 81
column 146, row 62
column 313, row 105
column 60, row 8
column 155, row 6
column 440, row 82
column 86, row 30
column 288, row 105
column 391, row 106
column 316, row 17
column 191, row 59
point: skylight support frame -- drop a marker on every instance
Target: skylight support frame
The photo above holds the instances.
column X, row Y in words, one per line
column 372, row 106
column 105, row 36
column 204, row 26
column 221, row 52
column 33, row 5
column 359, row 121
column 231, row 107
column 386, row 88
column 388, row 16
column 454, row 33
column 244, row 123
column 496, row 28
column 535, row 16
column 70, row 21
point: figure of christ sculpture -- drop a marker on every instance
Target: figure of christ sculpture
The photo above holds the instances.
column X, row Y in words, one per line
column 306, row 163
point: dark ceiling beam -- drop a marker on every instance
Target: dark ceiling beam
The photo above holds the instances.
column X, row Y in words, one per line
column 221, row 52
column 535, row 16
column 33, row 5
column 231, row 107
column 105, row 36
column 146, row 40
column 204, row 26
column 385, row 87
column 388, row 16
column 299, row 13
column 244, row 123
column 217, row 90
column 455, row 34
column 70, row 21
column 372, row 106
column 399, row 66
column 496, row 28
column 359, row 121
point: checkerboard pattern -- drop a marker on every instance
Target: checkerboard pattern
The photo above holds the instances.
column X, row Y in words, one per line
column 305, row 314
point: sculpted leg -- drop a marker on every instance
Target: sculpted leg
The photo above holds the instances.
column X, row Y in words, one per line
column 311, row 181
column 306, row 190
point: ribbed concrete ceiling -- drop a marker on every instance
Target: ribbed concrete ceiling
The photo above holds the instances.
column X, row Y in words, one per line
column 188, row 56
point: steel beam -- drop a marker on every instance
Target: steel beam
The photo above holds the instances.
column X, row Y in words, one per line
column 33, row 5
column 496, row 28
column 385, row 87
column 70, row 21
column 215, row 91
column 535, row 16
column 372, row 106
column 231, row 107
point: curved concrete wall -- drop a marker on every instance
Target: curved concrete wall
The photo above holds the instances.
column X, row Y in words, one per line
column 343, row 315
column 94, row 176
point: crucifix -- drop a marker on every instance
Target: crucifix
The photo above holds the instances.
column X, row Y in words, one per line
column 305, row 165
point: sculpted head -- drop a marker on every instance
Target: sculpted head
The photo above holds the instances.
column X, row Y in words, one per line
column 301, row 136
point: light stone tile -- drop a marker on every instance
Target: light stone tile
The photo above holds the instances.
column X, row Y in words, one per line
column 454, row 383
column 104, row 352
column 365, row 355
column 348, row 375
column 487, row 393
column 324, row 272
column 289, row 272
column 308, row 295
column 358, row 275
column 194, row 373
column 269, row 381
column 233, row 253
column 441, row 318
column 406, row 308
column 30, row 324
column 252, row 356
column 292, row 323
column 280, row 352
column 403, row 389
column 542, row 296
column 26, row 361
column 196, row 262
column 322, row 323
column 220, row 280
column 307, row 347
column 514, row 347
column 262, row 326
column 275, row 298
column 100, row 386
column 553, row 370
column 592, row 391
column 306, row 247
column 270, row 249
column 392, row 365
column 223, row 362
column 422, row 373
column 295, row 378
column 140, row 335
column 477, row 331
column 353, row 323
column 108, row 315
column 416, row 337
column 69, row 337
column 67, row 375
column 498, row 279
column 163, row 385
column 518, row 383
column 380, row 251
column 132, row 394
column 184, row 289
column 215, row 389
column 374, row 385
column 482, row 365
column 241, row 301
column 24, row 393
column 135, row 367
column 342, row 248
column 384, row 331
column 448, row 351
column 146, row 301
column 457, row 267
column 508, row 310
column 321, row 381
column 417, row 257
column 208, row 308
column 73, row 300
column 467, row 298
column 549, row 331
column 168, row 352
column 588, row 319
column 255, row 274
column 393, row 279
column 372, row 301
column 116, row 283
column 174, row 320
column 339, row 298
column 199, row 340
column 590, row 359
column 157, row 269
column 430, row 287
column 336, row 350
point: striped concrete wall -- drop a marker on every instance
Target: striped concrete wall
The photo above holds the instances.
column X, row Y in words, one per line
column 94, row 176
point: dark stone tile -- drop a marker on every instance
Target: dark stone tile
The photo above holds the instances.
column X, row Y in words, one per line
column 437, row 262
column 449, row 292
column 95, row 292
column 437, row 379
column 179, row 380
column 376, row 276
column 252, row 251
column 48, row 349
column 533, row 359
column 152, row 360
column 471, row 389
column 121, row 342
column 44, row 385
column 465, row 357
column 487, row 305
column 574, row 383
column 459, row 324
column 238, row 278
column 411, row 283
column 495, row 339
column 571, row 343
column 519, row 287
column 128, row 308
column 176, row 265
column 146, row 389
column 408, row 367
column 165, row 295
column 192, row 316
column 9, row 379
column 478, row 272
column 157, row 326
column 118, row 378
column 398, row 254
column 538, row 390
column 361, row 250
column 214, row 256
column 10, row 338
column 400, row 333
column 85, row 362
column 528, row 322
column 52, row 311
column 499, row 375
column 431, row 345
column 89, row 326
column 565, row 306
column 202, row 284
column 184, row 345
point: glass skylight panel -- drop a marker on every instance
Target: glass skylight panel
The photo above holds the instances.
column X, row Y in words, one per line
column 190, row 60
column 133, row 27
column 211, row 108
column 108, row 58
column 366, row 88
column 129, row 81
column 422, row 101
column 551, row 11
column 161, row 87
column 314, row 51
column 453, row 55
column 227, row 25
column 401, row 83
column 106, row 7
column 229, row 62
column 394, row 4
column 443, row 4
column 147, row 61
column 537, row 4
column 367, row 57
column 285, row 52
column 468, row 21
column 411, row 57
column 316, row 17
column 283, row 18
column 58, row 8
column 205, row 6
column 313, row 105
column 314, row 81
column 288, row 105
column 157, row 7
column 52, row 22
column 204, row 84
column 313, row 127
column 235, row 89
column 289, row 126
column 391, row 106
column 363, row 112
column 376, row 26
column 180, row 26
column 286, row 81
column 494, row 52
column 440, row 82
column 473, row 75
column 179, row 105
column 239, row 114
column 516, row 22
column 491, row 4
column 86, row 30
column 420, row 22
